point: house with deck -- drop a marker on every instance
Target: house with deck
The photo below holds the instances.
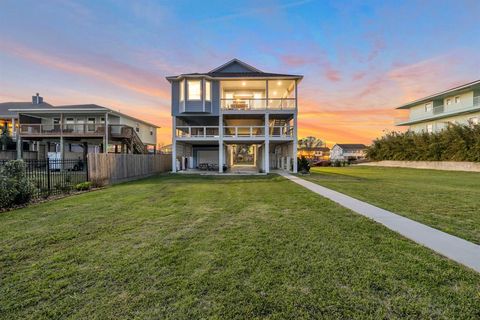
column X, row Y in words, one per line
column 459, row 105
column 234, row 117
column 72, row 131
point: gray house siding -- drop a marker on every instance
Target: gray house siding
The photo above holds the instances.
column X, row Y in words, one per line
column 211, row 108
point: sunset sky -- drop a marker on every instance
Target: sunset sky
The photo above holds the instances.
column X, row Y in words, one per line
column 359, row 59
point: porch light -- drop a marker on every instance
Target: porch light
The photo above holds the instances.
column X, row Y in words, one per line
column 244, row 83
column 274, row 93
column 279, row 83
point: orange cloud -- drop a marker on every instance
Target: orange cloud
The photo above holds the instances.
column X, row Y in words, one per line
column 103, row 69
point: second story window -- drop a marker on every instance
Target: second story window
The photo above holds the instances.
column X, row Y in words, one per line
column 428, row 107
column 182, row 90
column 457, row 99
column 137, row 127
column 208, row 90
column 449, row 102
column 194, row 89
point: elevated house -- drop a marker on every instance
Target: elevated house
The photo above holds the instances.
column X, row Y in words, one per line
column 348, row 151
column 72, row 131
column 460, row 105
column 234, row 116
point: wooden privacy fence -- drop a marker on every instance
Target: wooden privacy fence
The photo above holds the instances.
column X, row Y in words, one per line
column 114, row 168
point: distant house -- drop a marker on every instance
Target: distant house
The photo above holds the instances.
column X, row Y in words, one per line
column 72, row 131
column 314, row 154
column 348, row 151
column 459, row 105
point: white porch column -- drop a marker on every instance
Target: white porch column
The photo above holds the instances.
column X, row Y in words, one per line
column 105, row 143
column 295, row 141
column 220, row 142
column 19, row 148
column 174, row 146
column 62, row 148
column 14, row 130
column 267, row 143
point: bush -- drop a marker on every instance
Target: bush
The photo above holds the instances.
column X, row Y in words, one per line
column 454, row 143
column 303, row 165
column 83, row 186
column 15, row 188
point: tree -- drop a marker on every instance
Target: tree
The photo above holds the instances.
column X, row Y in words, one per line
column 310, row 143
column 5, row 139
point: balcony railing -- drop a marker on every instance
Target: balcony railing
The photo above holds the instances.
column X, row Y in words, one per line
column 243, row 131
column 84, row 129
column 233, row 131
column 258, row 104
column 437, row 110
column 281, row 132
column 197, row 131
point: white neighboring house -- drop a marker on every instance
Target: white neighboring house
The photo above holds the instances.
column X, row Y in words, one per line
column 459, row 105
column 348, row 151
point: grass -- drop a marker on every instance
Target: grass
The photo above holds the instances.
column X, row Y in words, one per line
column 189, row 247
column 445, row 200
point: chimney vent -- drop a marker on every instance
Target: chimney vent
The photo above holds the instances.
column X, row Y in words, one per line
column 37, row 99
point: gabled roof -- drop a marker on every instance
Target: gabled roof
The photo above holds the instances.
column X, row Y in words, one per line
column 234, row 68
column 350, row 146
column 6, row 106
column 442, row 94
column 234, row 64
column 15, row 107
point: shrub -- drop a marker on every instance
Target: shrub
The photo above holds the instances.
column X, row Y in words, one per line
column 454, row 143
column 83, row 186
column 15, row 188
column 303, row 165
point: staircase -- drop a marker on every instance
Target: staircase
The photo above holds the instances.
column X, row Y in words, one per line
column 137, row 144
column 276, row 130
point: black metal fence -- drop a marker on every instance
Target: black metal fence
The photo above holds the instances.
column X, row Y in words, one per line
column 53, row 177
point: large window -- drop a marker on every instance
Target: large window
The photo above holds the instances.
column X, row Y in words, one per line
column 428, row 107
column 194, row 89
column 182, row 90
column 208, row 90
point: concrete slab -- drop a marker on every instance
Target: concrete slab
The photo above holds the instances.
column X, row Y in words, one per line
column 457, row 249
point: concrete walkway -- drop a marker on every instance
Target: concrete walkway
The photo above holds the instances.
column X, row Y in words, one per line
column 452, row 247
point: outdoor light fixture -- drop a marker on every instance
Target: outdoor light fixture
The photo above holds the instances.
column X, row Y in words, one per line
column 279, row 83
column 244, row 83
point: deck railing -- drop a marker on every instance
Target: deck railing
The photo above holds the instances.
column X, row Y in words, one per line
column 438, row 110
column 243, row 131
column 233, row 131
column 197, row 131
column 259, row 104
column 77, row 129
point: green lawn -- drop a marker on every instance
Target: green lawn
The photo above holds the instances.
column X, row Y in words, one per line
column 446, row 200
column 189, row 247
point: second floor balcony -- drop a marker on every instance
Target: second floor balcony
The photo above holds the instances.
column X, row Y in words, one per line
column 213, row 132
column 438, row 112
column 258, row 104
column 75, row 130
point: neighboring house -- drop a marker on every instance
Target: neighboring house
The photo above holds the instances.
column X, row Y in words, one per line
column 348, row 151
column 460, row 105
column 234, row 104
column 166, row 149
column 314, row 154
column 71, row 131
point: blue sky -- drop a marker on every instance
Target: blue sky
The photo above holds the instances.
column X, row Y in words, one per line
column 360, row 58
